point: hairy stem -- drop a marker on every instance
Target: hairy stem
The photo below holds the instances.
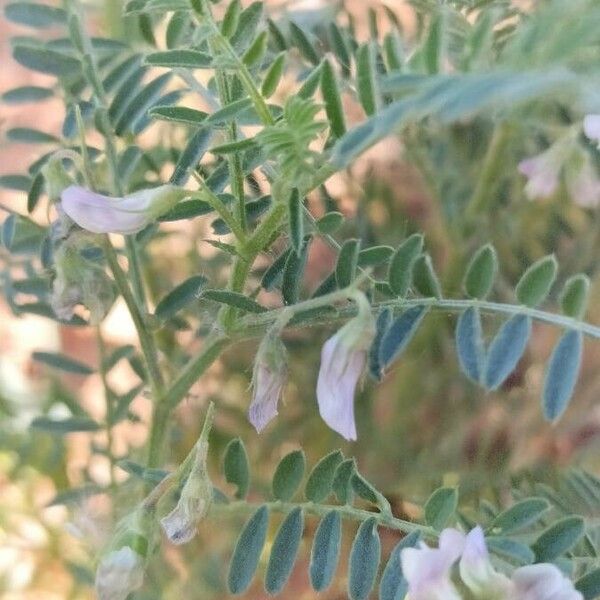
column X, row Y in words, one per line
column 319, row 510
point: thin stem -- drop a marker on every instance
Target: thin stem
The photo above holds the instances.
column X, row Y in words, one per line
column 109, row 401
column 146, row 340
column 222, row 44
column 212, row 348
column 206, row 194
column 319, row 510
column 490, row 170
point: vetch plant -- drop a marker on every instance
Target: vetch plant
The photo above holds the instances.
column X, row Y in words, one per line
column 248, row 132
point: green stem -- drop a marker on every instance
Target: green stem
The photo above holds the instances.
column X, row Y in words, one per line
column 319, row 510
column 212, row 348
column 254, row 325
column 222, row 44
column 491, row 169
column 146, row 340
column 108, row 399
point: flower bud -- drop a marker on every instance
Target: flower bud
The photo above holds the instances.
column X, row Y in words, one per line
column 343, row 360
column 268, row 380
column 181, row 524
column 121, row 569
column 79, row 281
column 119, row 573
column 103, row 214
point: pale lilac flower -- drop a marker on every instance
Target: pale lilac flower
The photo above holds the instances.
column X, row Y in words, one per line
column 119, row 573
column 181, row 524
column 343, row 360
column 542, row 173
column 542, row 582
column 428, row 570
column 591, row 127
column 477, row 572
column 582, row 181
column 268, row 381
column 102, row 214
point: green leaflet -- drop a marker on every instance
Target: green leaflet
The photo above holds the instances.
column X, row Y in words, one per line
column 236, row 467
column 288, row 475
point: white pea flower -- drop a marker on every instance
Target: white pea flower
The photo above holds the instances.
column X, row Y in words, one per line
column 477, row 572
column 429, row 572
column 343, row 360
column 268, row 381
column 102, row 214
column 542, row 582
column 119, row 573
column 591, row 127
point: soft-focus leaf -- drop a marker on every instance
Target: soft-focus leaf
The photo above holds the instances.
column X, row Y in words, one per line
column 561, row 374
column 558, row 538
column 520, row 515
column 347, row 262
column 506, row 350
column 481, row 272
column 62, row 363
column 534, row 285
column 234, row 299
column 180, row 296
column 574, row 296
column 236, row 467
column 393, row 585
column 333, row 101
column 469, row 344
column 440, row 507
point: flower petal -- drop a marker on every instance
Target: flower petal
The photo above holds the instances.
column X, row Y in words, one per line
column 591, row 127
column 427, row 570
column 341, row 368
column 543, row 582
column 119, row 573
column 102, row 214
